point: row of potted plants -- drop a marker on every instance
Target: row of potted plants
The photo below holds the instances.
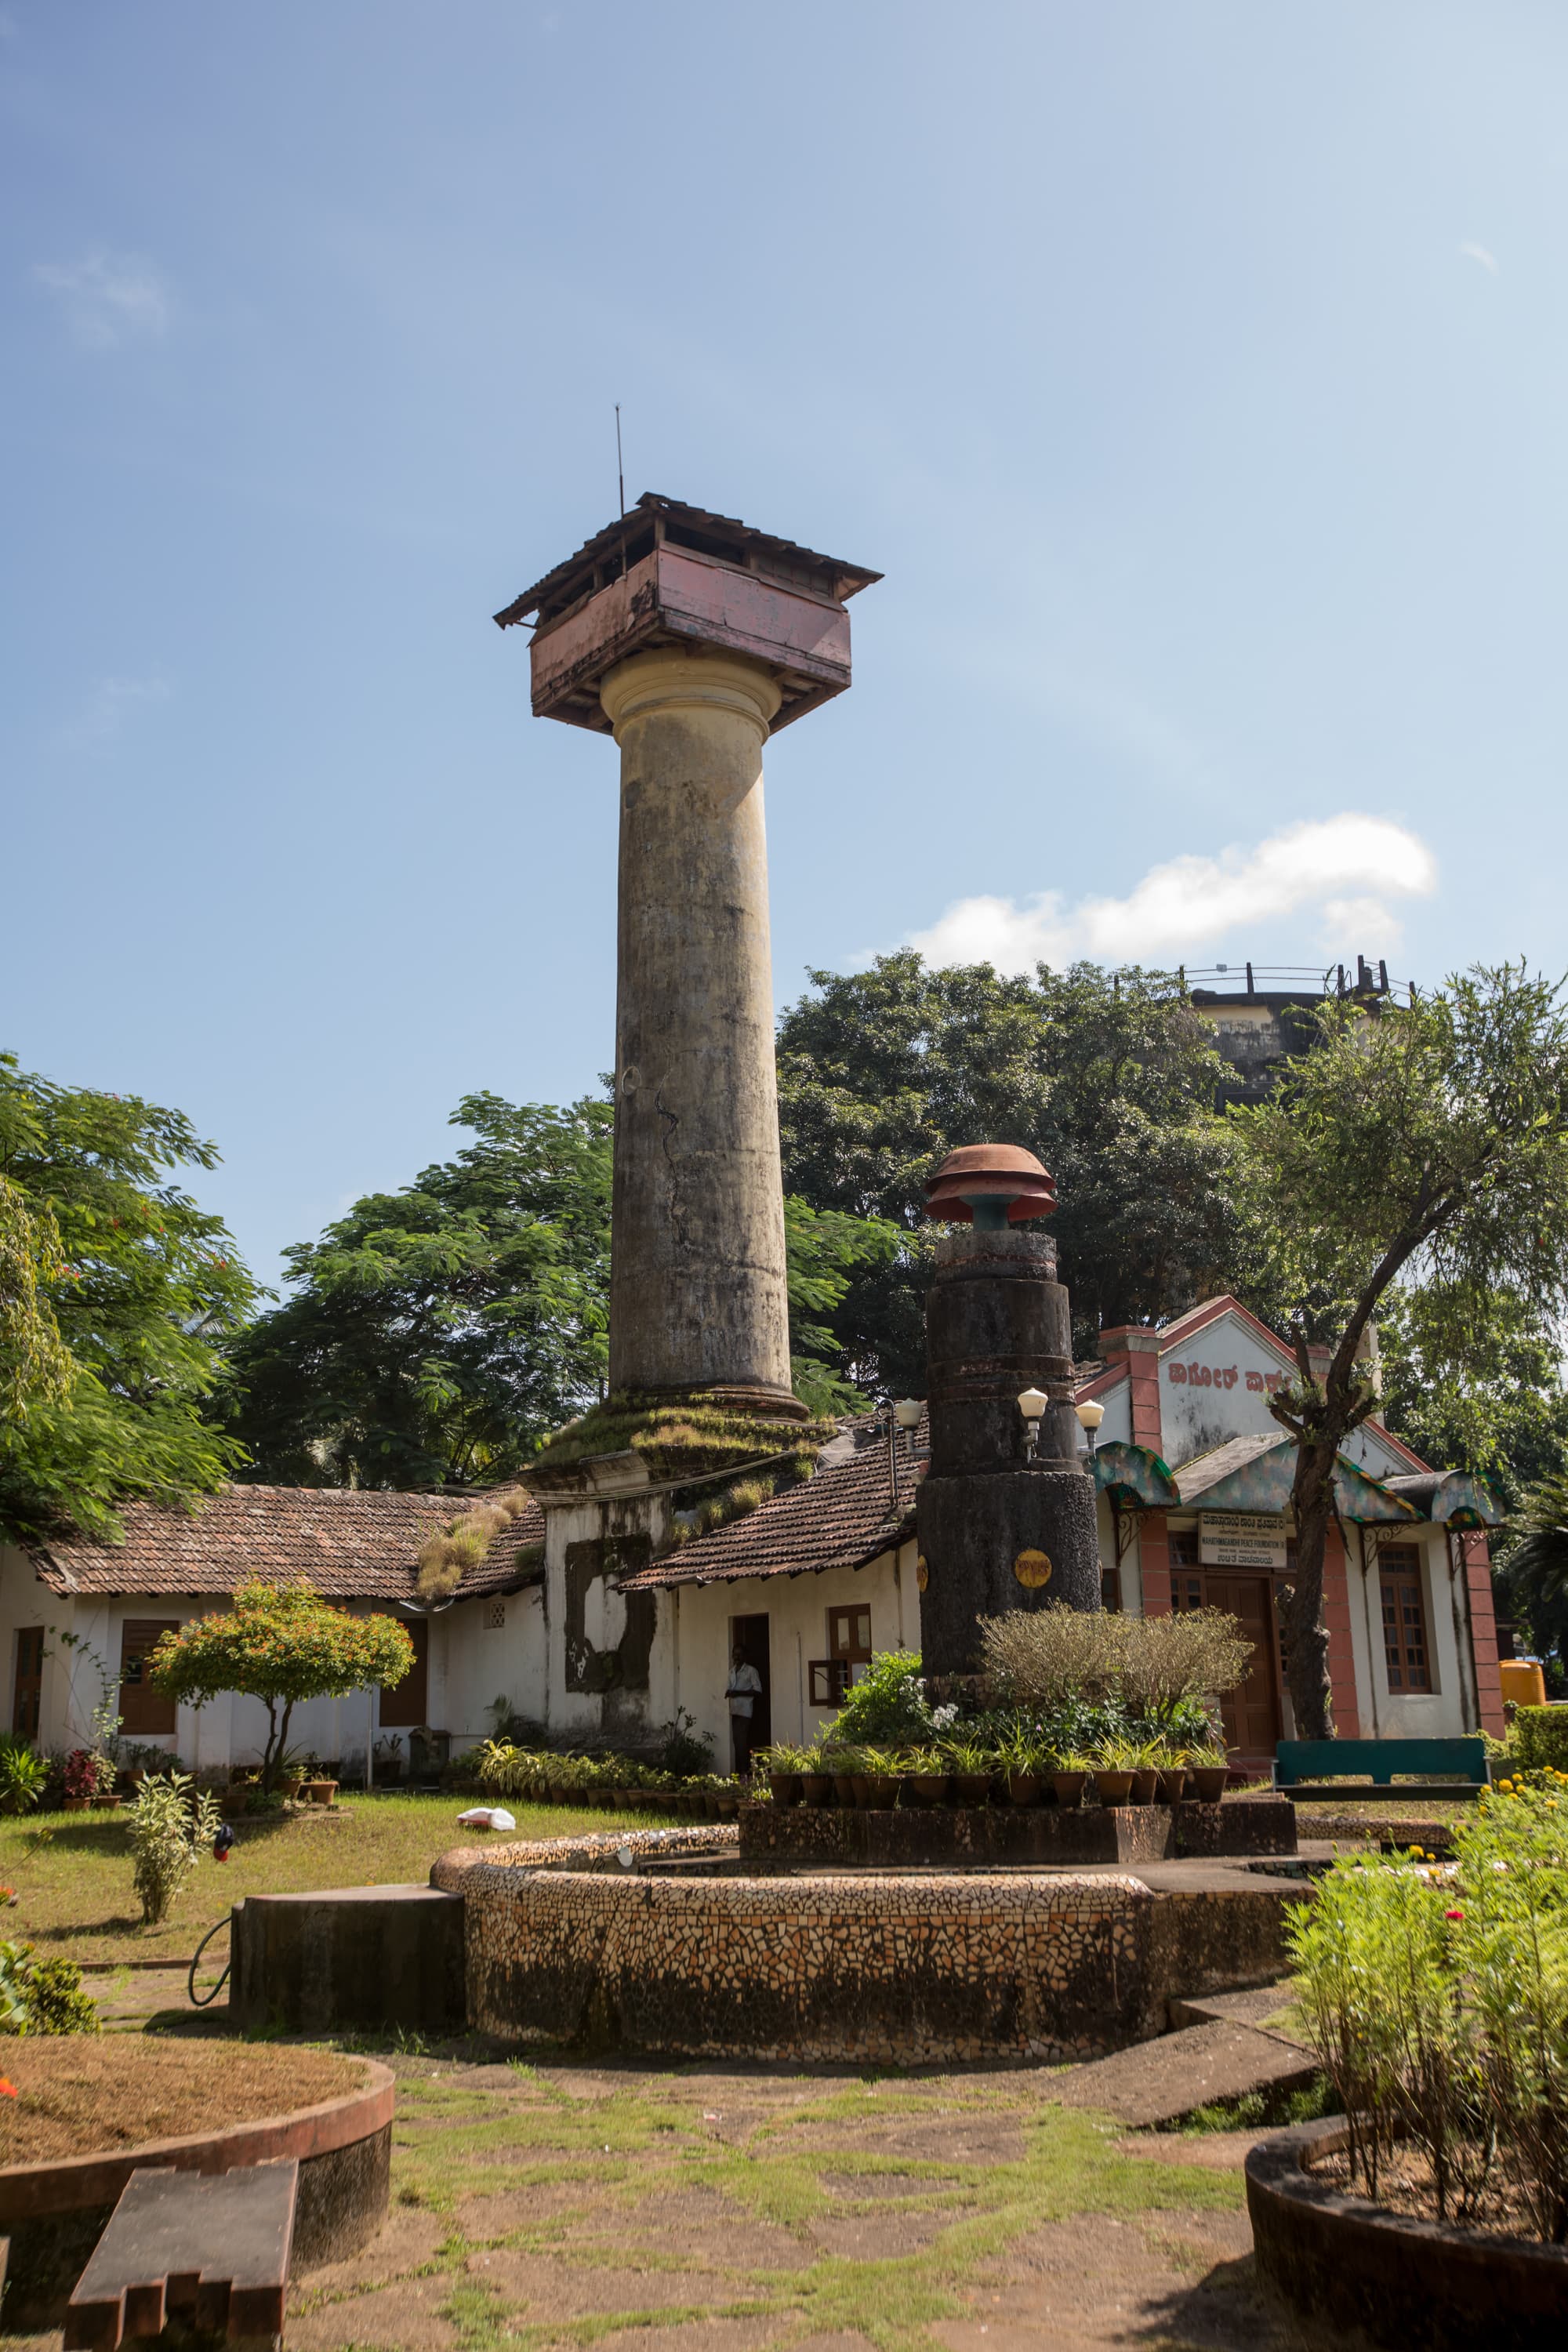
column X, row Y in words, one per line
column 1120, row 1772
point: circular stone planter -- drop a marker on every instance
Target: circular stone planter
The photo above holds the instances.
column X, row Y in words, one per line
column 1405, row 2282
column 54, row 2213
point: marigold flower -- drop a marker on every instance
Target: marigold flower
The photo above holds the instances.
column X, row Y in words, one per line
column 7, row 2089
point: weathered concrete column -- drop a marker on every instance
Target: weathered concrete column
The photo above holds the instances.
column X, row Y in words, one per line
column 697, row 1280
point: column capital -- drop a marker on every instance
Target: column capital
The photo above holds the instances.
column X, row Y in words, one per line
column 669, row 679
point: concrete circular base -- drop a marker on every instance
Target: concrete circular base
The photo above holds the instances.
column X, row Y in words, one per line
column 1400, row 2280
column 54, row 2214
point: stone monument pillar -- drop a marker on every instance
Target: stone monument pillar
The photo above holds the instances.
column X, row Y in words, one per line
column 998, row 1530
column 691, row 638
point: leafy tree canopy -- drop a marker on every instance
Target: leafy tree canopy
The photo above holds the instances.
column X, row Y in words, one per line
column 1109, row 1077
column 1418, row 1158
column 115, row 1288
column 280, row 1643
column 438, row 1334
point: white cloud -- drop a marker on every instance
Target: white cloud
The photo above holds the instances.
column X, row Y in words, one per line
column 1474, row 252
column 1337, row 873
column 112, row 704
column 107, row 299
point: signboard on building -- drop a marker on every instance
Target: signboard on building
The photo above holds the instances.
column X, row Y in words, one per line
column 1241, row 1539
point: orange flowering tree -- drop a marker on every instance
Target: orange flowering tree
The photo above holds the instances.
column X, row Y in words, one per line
column 280, row 1643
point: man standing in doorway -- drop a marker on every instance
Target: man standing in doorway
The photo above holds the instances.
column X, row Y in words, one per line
column 745, row 1690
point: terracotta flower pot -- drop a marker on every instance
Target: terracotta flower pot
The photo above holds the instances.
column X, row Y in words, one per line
column 786, row 1787
column 1144, row 1784
column 233, row 1800
column 1208, row 1782
column 77, row 1804
column 729, row 1804
column 881, row 1791
column 1069, row 1786
column 1114, row 1788
column 1026, row 1787
column 291, row 1786
column 843, row 1788
column 816, row 1789
column 1172, row 1784
column 972, row 1788
column 105, row 1804
column 318, row 1792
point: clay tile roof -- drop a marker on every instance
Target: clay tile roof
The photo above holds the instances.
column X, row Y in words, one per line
column 357, row 1544
column 841, row 1518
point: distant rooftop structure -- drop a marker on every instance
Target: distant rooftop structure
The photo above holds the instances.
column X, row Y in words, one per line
column 1261, row 1013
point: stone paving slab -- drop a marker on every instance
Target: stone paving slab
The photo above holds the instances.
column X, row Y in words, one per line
column 1159, row 2082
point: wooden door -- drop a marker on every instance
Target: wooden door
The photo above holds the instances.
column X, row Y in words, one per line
column 1251, row 1714
column 750, row 1636
column 403, row 1707
column 144, row 1712
column 26, row 1699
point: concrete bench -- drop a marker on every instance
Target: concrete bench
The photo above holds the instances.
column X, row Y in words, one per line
column 209, row 2251
column 1319, row 1769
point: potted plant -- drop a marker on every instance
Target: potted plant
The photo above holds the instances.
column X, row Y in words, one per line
column 1173, row 1766
column 387, row 1764
column 922, row 1776
column 1113, row 1770
column 784, row 1766
column 1070, row 1775
column 877, row 1787
column 1207, row 1773
column 84, row 1779
column 1143, row 1757
column 969, row 1761
column 1025, row 1762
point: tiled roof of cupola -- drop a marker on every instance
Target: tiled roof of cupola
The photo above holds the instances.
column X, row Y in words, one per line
column 352, row 1544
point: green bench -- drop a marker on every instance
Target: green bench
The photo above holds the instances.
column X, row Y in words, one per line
column 1361, row 1771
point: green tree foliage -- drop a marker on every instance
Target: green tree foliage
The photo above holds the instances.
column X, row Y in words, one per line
column 439, row 1333
column 825, row 1248
column 280, row 1643
column 1422, row 1154
column 1109, row 1077
column 114, row 1288
column 1534, row 1578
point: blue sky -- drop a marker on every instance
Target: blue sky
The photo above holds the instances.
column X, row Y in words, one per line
column 1196, row 374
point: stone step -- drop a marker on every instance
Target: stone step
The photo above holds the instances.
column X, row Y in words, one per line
column 1160, row 2082
column 1254, row 2007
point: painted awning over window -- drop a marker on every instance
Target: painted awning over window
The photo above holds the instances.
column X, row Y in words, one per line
column 1255, row 1473
column 1134, row 1478
column 1450, row 1498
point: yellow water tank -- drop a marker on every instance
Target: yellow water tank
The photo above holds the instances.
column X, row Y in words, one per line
column 1522, row 1682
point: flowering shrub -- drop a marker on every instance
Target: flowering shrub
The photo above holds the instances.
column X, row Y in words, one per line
column 1437, row 2004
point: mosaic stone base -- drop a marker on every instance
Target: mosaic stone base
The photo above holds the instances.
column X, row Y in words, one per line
column 919, row 1968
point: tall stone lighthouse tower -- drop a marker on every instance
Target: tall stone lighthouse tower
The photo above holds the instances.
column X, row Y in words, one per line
column 690, row 638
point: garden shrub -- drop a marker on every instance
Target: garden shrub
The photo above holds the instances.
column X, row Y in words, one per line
column 1541, row 1738
column 24, row 1775
column 1043, row 1657
column 888, row 1706
column 1436, row 2003
column 43, row 1996
column 170, row 1823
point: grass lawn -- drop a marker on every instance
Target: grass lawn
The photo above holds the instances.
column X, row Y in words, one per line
column 72, row 1871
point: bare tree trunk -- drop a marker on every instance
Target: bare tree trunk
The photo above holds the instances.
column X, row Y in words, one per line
column 1306, row 1635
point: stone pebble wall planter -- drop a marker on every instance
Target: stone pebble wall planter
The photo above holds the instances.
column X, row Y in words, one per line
column 1404, row 2283
column 54, row 2214
column 568, row 1940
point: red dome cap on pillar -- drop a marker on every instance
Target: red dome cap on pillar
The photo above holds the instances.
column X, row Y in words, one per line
column 1003, row 1183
